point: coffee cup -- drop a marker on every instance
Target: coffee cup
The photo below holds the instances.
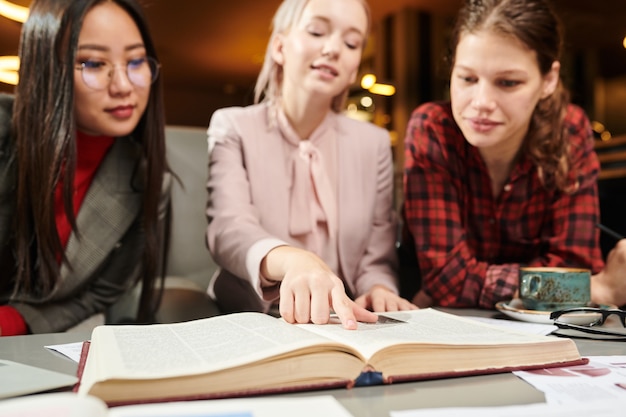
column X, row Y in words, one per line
column 553, row 288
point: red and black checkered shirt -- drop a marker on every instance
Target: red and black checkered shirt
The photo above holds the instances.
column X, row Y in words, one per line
column 469, row 245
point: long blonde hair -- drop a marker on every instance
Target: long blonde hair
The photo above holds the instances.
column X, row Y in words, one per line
column 269, row 81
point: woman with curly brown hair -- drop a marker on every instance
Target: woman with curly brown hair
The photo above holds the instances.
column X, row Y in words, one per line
column 504, row 174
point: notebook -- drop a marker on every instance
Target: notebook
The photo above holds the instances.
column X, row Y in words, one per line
column 19, row 379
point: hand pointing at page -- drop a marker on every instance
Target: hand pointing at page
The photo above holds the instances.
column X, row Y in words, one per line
column 309, row 289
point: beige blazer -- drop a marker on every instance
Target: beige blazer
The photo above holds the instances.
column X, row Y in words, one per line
column 249, row 202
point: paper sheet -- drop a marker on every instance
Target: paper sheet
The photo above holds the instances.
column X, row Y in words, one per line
column 610, row 408
column 603, row 378
column 323, row 405
column 74, row 405
column 70, row 350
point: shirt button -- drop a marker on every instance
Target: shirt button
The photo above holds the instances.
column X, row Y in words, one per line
column 507, row 188
column 492, row 221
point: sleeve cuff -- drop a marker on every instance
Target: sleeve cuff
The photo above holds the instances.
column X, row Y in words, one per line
column 255, row 255
column 11, row 322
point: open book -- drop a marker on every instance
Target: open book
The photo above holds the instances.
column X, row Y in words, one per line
column 252, row 353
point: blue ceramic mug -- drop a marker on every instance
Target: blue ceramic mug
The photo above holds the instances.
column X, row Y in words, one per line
column 551, row 288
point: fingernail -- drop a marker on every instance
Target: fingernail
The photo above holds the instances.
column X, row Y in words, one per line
column 351, row 324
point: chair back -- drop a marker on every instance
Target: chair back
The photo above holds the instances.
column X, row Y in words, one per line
column 612, row 188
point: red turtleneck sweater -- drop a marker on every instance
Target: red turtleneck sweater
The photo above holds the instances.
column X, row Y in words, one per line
column 90, row 151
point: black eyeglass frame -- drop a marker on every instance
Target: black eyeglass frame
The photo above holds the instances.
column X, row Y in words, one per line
column 592, row 327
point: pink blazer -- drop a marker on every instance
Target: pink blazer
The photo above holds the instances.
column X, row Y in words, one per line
column 249, row 203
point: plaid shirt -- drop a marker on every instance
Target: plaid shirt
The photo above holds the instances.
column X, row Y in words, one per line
column 469, row 245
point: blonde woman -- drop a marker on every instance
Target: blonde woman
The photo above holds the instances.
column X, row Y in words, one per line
column 300, row 196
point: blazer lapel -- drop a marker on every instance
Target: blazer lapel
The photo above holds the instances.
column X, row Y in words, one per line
column 349, row 200
column 268, row 176
column 109, row 208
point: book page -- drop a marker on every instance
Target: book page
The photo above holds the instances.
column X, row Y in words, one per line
column 420, row 326
column 523, row 326
column 195, row 347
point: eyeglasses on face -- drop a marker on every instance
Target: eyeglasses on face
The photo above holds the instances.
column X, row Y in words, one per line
column 141, row 72
column 588, row 320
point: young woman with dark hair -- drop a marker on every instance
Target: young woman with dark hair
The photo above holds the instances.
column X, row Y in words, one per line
column 85, row 182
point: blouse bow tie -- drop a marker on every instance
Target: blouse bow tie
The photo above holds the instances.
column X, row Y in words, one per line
column 310, row 184
column 311, row 192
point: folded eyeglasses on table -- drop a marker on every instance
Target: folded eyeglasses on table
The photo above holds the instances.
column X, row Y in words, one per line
column 589, row 323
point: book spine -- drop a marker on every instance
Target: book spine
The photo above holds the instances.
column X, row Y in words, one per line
column 81, row 363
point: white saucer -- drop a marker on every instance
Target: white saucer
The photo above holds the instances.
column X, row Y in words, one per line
column 515, row 309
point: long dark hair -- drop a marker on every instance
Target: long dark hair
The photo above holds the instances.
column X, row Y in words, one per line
column 45, row 129
column 535, row 24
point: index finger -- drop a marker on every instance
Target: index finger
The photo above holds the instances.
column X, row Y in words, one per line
column 349, row 312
